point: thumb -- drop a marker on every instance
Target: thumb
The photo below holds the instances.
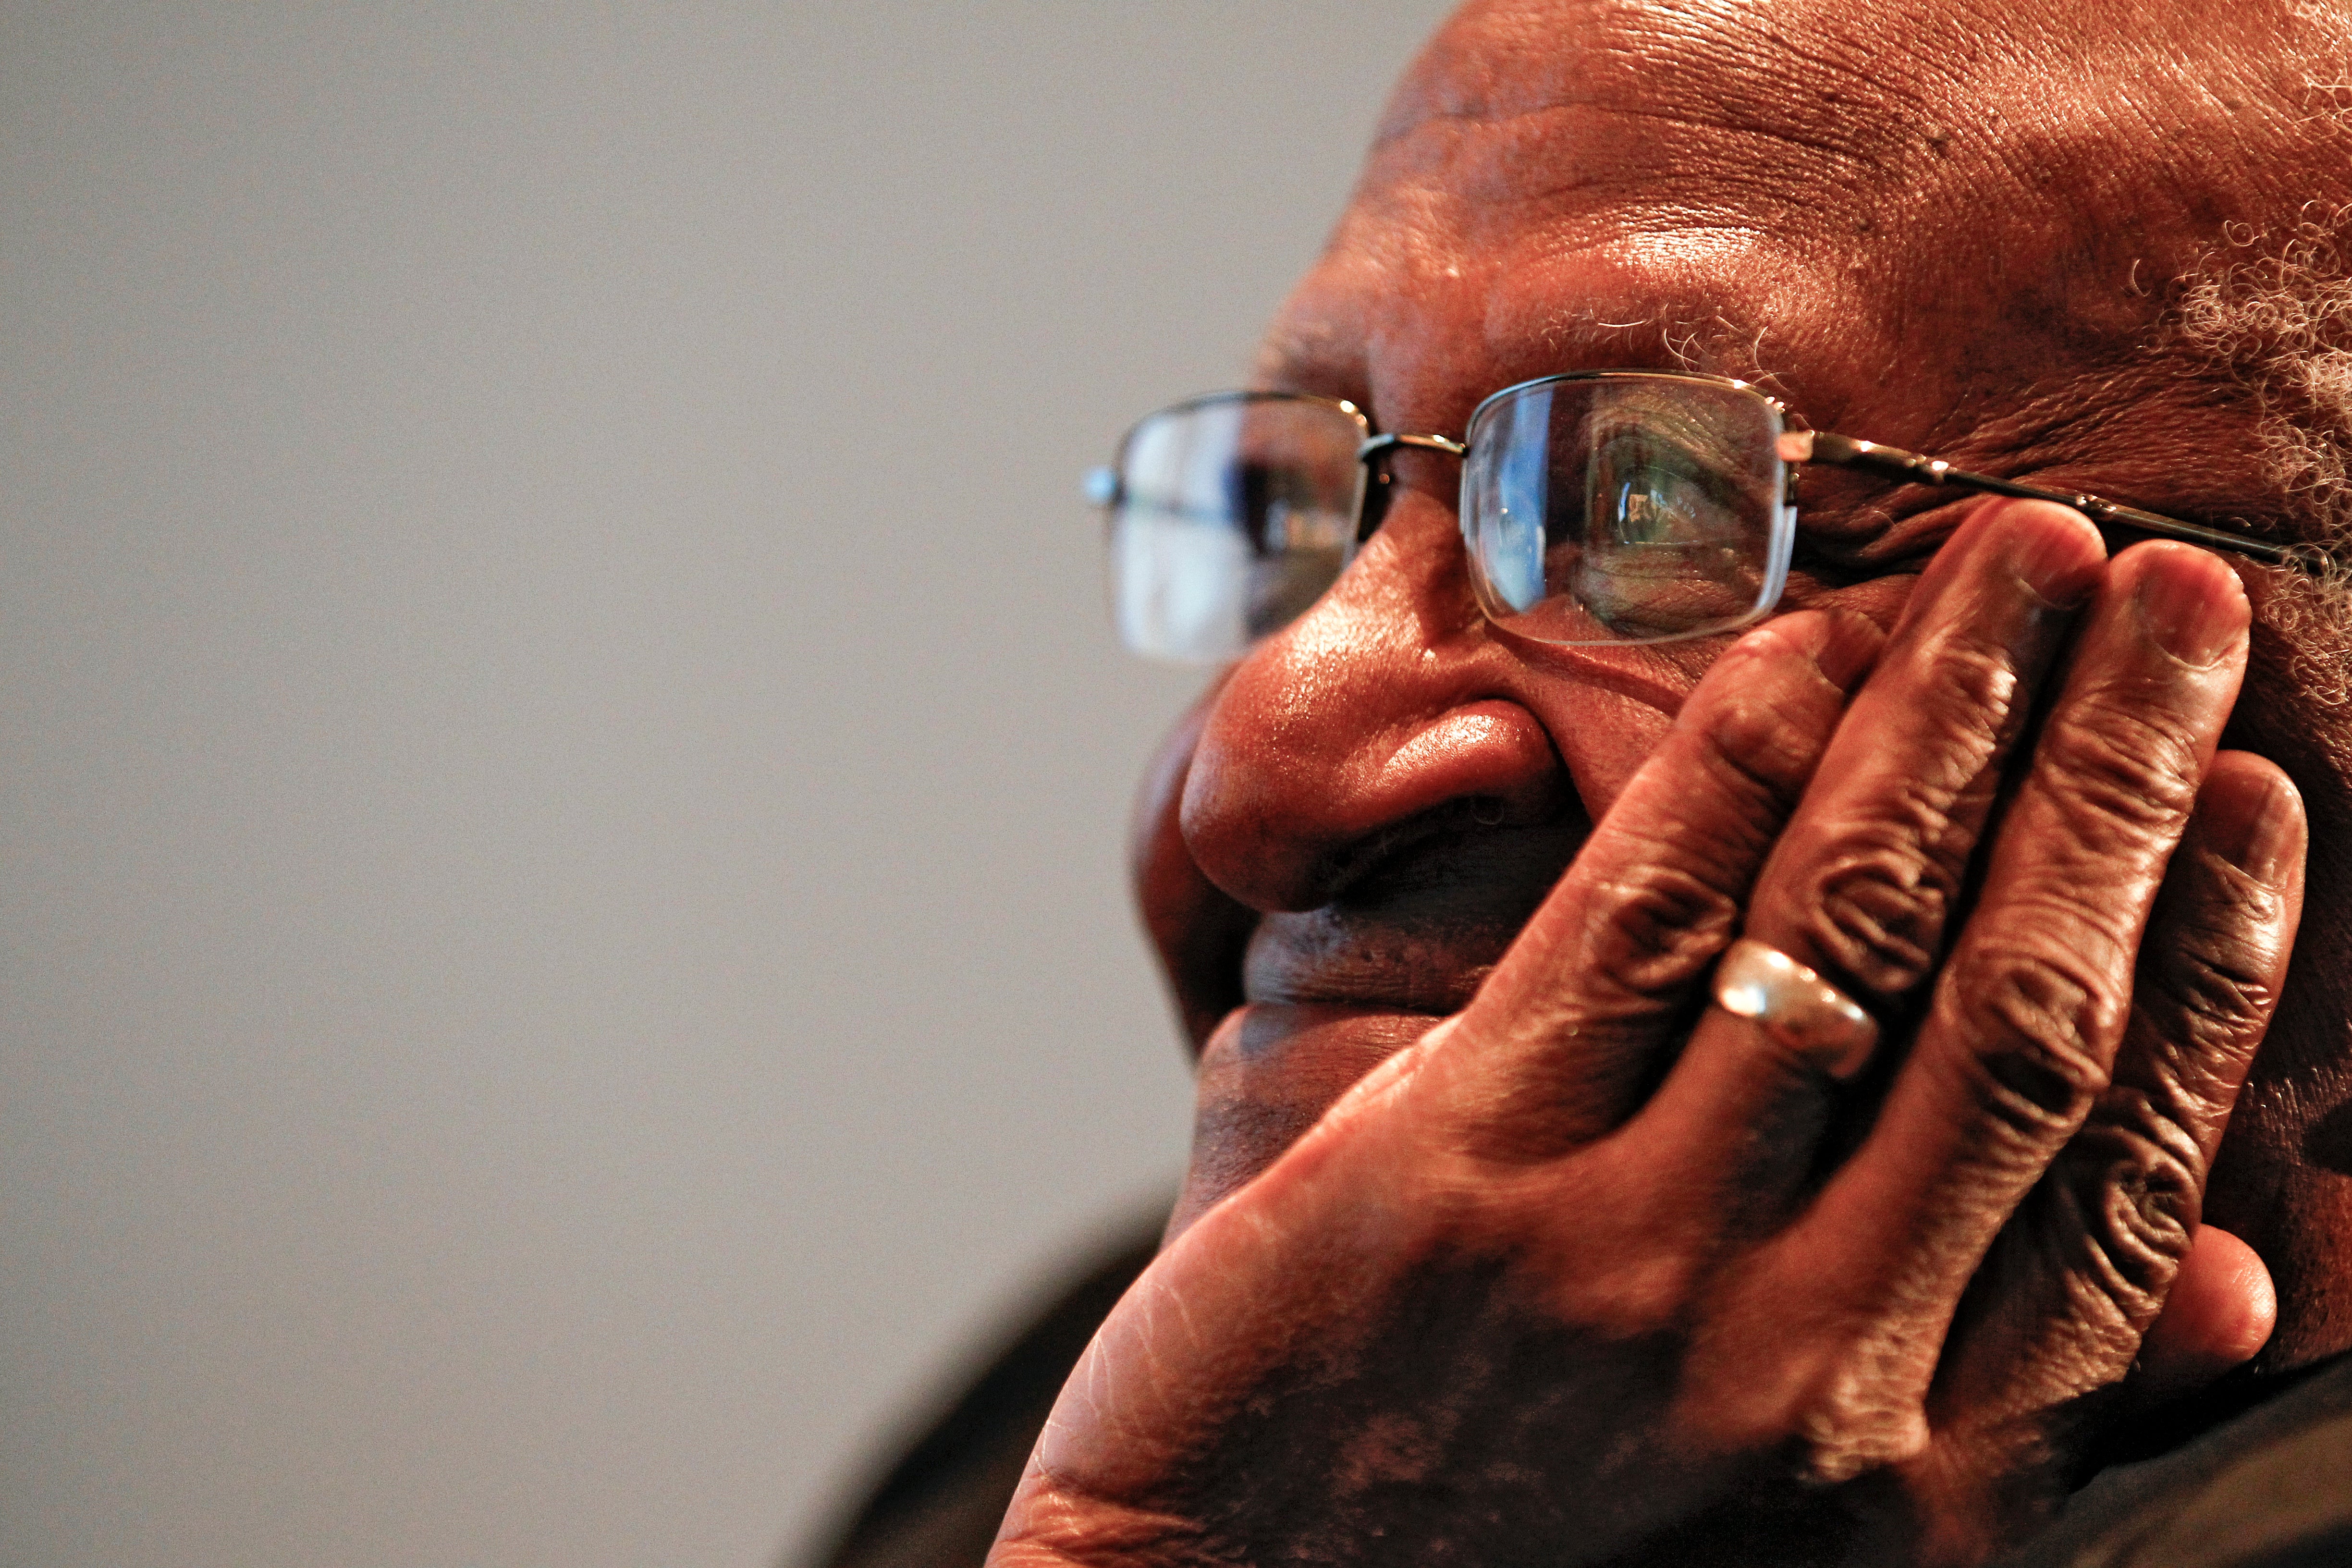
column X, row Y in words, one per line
column 2221, row 1310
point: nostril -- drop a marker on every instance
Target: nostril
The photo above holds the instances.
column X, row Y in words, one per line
column 1283, row 815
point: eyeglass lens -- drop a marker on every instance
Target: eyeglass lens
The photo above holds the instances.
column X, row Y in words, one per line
column 1232, row 516
column 1620, row 508
column 1624, row 508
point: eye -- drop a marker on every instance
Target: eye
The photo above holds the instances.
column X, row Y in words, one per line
column 1653, row 491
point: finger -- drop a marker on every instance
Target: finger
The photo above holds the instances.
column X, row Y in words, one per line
column 2219, row 1313
column 2099, row 1251
column 1860, row 883
column 1861, row 886
column 2017, row 1044
column 1561, row 1041
column 2214, row 960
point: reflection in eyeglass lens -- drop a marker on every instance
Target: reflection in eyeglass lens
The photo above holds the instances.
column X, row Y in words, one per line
column 1233, row 516
column 1621, row 509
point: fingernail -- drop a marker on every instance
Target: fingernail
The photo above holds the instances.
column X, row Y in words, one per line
column 2263, row 840
column 1848, row 648
column 2060, row 564
column 2182, row 611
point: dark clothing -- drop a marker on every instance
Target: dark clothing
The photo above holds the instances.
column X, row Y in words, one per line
column 2239, row 1484
column 2270, row 1488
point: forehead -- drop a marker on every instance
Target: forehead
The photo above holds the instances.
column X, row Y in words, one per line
column 1883, row 210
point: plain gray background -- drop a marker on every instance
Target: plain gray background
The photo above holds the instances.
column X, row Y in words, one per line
column 560, row 769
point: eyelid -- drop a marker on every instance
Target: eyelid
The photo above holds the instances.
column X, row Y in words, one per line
column 1714, row 477
column 1713, row 454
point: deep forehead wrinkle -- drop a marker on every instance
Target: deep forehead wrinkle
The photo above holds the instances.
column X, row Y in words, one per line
column 1796, row 104
column 1566, row 185
column 1850, row 83
column 1826, row 139
column 1665, row 168
column 1724, row 64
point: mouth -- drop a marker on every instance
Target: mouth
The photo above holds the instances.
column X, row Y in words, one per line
column 1332, row 993
column 1418, row 931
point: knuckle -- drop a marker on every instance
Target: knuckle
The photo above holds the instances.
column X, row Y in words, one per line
column 1856, row 1421
column 2125, row 769
column 1876, row 907
column 1760, row 753
column 1872, row 890
column 1660, row 928
column 2131, row 1184
column 2214, row 998
column 2215, row 951
column 2032, row 1024
column 1831, row 1406
column 2207, row 980
column 1976, row 679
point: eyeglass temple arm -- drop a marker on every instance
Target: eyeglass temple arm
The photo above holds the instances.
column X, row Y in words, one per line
column 1893, row 463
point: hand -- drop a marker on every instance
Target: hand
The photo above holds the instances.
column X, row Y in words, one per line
column 1591, row 1274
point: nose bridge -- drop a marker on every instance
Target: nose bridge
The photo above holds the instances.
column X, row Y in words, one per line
column 1386, row 701
column 1379, row 483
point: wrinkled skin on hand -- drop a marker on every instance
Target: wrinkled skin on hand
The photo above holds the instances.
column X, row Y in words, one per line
column 1499, row 1244
column 1566, row 1280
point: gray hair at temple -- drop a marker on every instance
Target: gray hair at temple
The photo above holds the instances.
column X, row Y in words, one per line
column 2274, row 314
column 2277, row 311
column 2271, row 312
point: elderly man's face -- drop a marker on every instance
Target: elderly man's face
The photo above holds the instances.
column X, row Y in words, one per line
column 1908, row 230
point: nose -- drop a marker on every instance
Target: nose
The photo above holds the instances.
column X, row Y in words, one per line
column 1385, row 711
column 1198, row 933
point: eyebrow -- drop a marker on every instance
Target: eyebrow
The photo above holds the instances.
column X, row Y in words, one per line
column 1323, row 361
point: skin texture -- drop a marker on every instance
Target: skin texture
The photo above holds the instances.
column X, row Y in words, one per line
column 1498, row 1246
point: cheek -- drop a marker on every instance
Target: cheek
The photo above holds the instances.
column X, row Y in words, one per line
column 1881, row 598
column 1606, row 718
column 1604, row 729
